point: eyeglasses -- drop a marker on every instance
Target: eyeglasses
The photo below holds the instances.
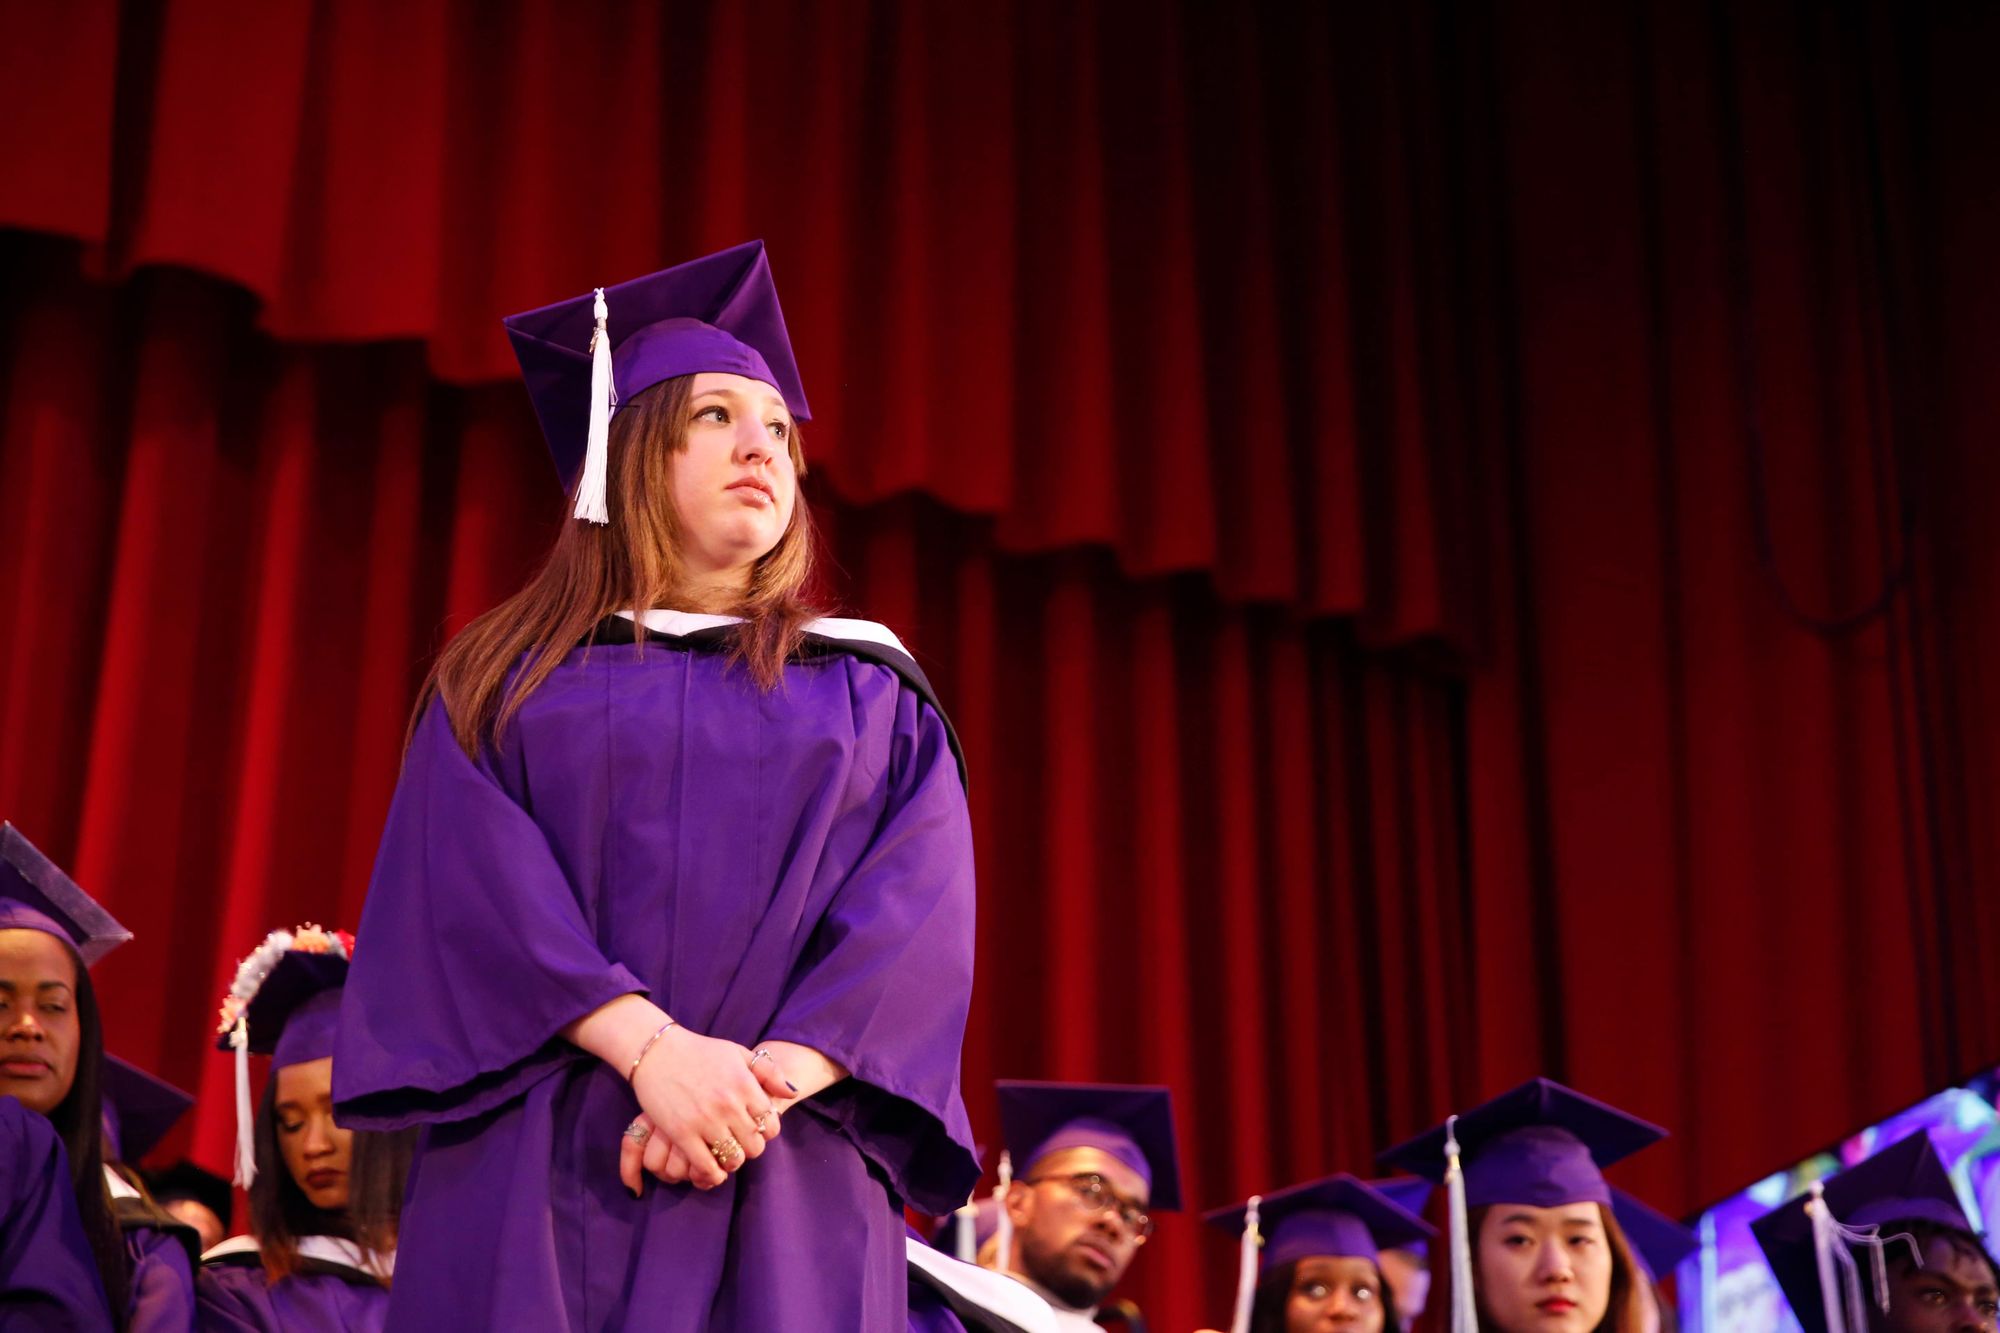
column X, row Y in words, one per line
column 1097, row 1196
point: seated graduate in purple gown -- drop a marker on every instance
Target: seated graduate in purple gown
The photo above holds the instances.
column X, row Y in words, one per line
column 672, row 864
column 139, row 1111
column 1896, row 1236
column 324, row 1199
column 1541, row 1242
column 1096, row 1160
column 52, row 1039
column 1319, row 1263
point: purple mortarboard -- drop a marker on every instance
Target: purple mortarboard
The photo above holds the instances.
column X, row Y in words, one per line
column 139, row 1109
column 1338, row 1217
column 1906, row 1181
column 36, row 895
column 1541, row 1144
column 1132, row 1123
column 1412, row 1194
column 1659, row 1242
column 292, row 1016
column 717, row 313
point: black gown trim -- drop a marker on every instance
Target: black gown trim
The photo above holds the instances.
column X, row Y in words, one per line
column 137, row 1215
column 614, row 630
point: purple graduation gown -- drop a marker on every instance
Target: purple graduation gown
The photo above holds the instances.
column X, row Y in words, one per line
column 791, row 865
column 162, row 1299
column 48, row 1275
column 238, row 1298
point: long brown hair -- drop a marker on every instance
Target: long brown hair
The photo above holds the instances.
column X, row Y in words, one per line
column 631, row 563
column 281, row 1214
column 1625, row 1314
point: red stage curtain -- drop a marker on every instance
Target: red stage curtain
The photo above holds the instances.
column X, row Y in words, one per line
column 1630, row 367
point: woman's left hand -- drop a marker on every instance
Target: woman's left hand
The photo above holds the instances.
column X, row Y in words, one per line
column 639, row 1157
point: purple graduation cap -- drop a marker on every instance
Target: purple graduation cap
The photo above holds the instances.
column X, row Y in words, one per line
column 1133, row 1123
column 1337, row 1217
column 1660, row 1243
column 583, row 357
column 285, row 1003
column 36, row 895
column 1541, row 1144
column 139, row 1109
column 1906, row 1181
column 1412, row 1194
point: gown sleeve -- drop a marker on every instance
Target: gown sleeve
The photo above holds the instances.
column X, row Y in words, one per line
column 885, row 984
column 48, row 1275
column 473, row 954
column 162, row 1282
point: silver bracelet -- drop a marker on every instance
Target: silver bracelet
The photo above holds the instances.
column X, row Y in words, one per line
column 634, row 1067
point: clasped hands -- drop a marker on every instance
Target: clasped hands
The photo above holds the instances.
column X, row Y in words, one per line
column 707, row 1107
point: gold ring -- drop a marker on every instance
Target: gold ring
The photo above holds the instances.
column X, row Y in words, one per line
column 724, row 1149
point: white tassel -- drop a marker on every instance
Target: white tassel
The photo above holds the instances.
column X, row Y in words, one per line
column 1003, row 1236
column 1246, row 1269
column 965, row 1234
column 246, row 1151
column 1464, row 1308
column 597, row 447
column 1839, row 1285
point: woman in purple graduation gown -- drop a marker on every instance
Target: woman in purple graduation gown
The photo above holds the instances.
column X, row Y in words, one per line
column 672, row 865
column 323, row 1199
column 52, row 1062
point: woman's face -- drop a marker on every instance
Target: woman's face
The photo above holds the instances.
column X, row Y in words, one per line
column 1544, row 1270
column 1334, row 1294
column 317, row 1152
column 734, row 486
column 39, row 1030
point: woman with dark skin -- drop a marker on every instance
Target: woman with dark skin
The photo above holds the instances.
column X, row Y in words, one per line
column 324, row 1200
column 1319, row 1266
column 52, row 1062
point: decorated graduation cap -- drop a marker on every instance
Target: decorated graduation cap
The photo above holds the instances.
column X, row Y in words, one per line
column 1541, row 1145
column 1337, row 1217
column 284, row 1003
column 583, row 357
column 36, row 895
column 139, row 1109
column 1809, row 1242
column 1659, row 1242
column 1132, row 1123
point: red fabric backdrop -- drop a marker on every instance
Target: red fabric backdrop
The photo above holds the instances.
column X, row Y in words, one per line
column 1457, row 540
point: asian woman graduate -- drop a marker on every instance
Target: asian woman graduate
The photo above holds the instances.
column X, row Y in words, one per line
column 1535, row 1246
column 1318, row 1268
column 324, row 1199
column 673, row 865
column 52, row 1062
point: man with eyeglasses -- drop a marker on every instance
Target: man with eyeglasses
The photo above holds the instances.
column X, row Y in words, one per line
column 1092, row 1162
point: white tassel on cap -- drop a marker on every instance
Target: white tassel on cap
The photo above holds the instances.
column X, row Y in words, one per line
column 246, row 1151
column 597, row 446
column 965, row 1234
column 1839, row 1284
column 1464, row 1309
column 1003, row 1236
column 1246, row 1269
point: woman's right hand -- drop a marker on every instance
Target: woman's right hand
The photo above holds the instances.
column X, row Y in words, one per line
column 697, row 1091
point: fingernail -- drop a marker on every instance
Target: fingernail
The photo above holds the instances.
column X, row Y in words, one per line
column 793, row 1086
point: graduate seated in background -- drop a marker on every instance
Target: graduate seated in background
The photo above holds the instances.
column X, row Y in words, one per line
column 52, row 1060
column 195, row 1197
column 1407, row 1267
column 1544, row 1248
column 139, row 1111
column 1319, row 1264
column 1900, row 1206
column 324, row 1201
column 1094, row 1162
column 1660, row 1244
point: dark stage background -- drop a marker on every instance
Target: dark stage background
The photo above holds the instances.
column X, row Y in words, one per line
column 1460, row 538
